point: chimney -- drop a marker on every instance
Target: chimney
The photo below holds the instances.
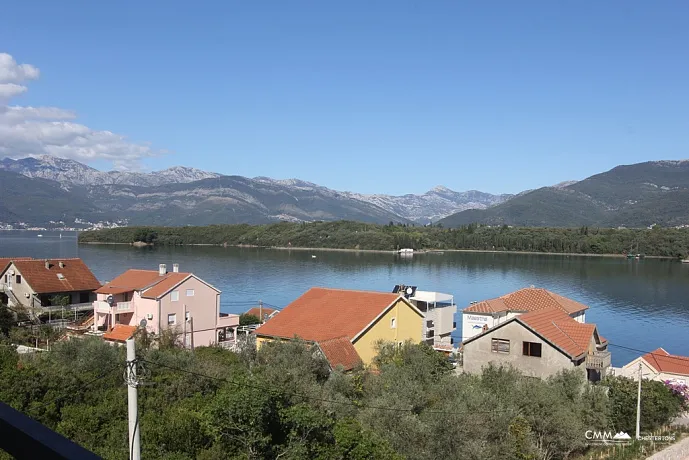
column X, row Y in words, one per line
column 61, row 264
column 162, row 269
column 175, row 268
column 47, row 264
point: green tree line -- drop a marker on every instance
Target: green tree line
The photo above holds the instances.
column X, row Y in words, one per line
column 283, row 401
column 667, row 242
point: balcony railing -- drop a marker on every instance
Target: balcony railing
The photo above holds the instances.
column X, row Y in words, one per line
column 123, row 306
column 598, row 360
column 25, row 438
column 119, row 307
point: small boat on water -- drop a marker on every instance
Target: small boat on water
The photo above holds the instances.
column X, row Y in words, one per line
column 406, row 251
column 39, row 235
column 685, row 261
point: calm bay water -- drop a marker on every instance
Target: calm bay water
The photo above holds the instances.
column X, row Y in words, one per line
column 637, row 304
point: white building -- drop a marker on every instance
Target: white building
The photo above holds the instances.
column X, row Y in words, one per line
column 481, row 316
column 439, row 315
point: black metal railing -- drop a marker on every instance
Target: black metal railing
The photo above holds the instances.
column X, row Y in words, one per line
column 24, row 438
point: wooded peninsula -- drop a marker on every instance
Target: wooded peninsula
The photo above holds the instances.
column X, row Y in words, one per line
column 662, row 242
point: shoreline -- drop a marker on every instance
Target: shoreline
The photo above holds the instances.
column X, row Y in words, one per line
column 389, row 251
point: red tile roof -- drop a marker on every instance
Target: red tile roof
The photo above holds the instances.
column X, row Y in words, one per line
column 5, row 261
column 150, row 282
column 120, row 333
column 558, row 328
column 75, row 275
column 340, row 352
column 265, row 311
column 527, row 299
column 662, row 361
column 322, row 314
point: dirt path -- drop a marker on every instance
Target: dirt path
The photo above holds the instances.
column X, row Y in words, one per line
column 678, row 451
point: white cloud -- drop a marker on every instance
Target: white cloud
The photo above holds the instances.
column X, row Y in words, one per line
column 9, row 90
column 33, row 131
column 11, row 72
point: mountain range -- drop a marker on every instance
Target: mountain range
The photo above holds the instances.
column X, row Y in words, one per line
column 637, row 195
column 186, row 196
column 42, row 189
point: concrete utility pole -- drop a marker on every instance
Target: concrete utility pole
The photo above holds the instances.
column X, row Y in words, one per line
column 638, row 406
column 132, row 402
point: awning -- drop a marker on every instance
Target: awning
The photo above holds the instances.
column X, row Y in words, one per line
column 432, row 297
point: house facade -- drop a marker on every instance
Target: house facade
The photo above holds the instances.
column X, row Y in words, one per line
column 540, row 344
column 346, row 325
column 163, row 300
column 659, row 365
column 36, row 284
column 487, row 314
column 439, row 311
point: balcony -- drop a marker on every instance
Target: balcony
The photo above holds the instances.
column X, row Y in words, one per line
column 119, row 307
column 598, row 360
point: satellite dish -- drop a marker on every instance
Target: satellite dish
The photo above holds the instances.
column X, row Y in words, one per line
column 143, row 323
column 409, row 291
column 110, row 300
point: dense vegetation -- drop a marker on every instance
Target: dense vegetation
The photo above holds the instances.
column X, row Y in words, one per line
column 670, row 242
column 283, row 402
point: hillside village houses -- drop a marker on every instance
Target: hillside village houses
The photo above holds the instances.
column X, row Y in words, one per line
column 536, row 331
column 158, row 300
column 345, row 325
column 36, row 283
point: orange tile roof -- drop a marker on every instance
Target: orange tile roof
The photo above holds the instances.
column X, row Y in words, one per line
column 558, row 328
column 662, row 361
column 255, row 311
column 322, row 314
column 527, row 299
column 340, row 352
column 131, row 280
column 76, row 275
column 164, row 285
column 120, row 333
column 150, row 282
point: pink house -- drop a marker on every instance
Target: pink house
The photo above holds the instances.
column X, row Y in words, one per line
column 179, row 301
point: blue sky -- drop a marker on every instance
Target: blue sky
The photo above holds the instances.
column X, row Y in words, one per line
column 376, row 97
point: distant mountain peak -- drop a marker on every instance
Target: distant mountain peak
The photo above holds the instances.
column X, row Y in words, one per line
column 72, row 172
column 441, row 189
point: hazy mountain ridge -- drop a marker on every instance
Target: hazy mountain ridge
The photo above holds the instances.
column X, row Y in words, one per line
column 75, row 173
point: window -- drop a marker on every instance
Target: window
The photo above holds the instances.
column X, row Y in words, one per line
column 84, row 297
column 190, row 293
column 393, row 323
column 174, row 296
column 171, row 319
column 6, row 281
column 19, row 279
column 500, row 346
column 532, row 349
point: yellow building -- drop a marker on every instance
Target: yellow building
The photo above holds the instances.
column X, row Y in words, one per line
column 345, row 324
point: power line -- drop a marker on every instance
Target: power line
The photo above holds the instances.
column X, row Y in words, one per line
column 313, row 398
column 668, row 356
